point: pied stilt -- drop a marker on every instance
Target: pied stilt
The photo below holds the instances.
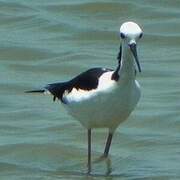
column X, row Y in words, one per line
column 100, row 97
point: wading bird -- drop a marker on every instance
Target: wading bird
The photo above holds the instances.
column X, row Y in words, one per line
column 101, row 97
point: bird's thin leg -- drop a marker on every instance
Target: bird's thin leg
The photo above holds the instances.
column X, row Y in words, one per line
column 89, row 151
column 108, row 144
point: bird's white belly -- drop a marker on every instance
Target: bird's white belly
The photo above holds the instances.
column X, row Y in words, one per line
column 106, row 109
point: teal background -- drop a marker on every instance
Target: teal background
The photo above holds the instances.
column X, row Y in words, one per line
column 44, row 41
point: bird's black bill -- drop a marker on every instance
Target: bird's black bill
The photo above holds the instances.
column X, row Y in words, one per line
column 134, row 51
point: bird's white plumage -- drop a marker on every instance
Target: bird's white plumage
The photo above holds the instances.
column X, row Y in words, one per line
column 112, row 101
column 105, row 85
column 106, row 108
column 130, row 28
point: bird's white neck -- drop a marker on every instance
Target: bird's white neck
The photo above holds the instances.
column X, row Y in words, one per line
column 127, row 70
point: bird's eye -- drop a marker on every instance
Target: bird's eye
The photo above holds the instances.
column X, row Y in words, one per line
column 122, row 35
column 140, row 36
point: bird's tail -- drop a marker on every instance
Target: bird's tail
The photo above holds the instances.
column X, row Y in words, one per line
column 36, row 91
column 55, row 89
column 41, row 91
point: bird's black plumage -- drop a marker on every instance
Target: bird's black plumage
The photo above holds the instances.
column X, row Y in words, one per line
column 115, row 75
column 87, row 80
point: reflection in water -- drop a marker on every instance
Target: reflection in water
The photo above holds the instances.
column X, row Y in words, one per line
column 108, row 163
column 89, row 176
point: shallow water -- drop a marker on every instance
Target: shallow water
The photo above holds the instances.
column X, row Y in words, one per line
column 45, row 41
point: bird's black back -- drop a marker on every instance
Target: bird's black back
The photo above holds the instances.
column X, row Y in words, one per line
column 87, row 80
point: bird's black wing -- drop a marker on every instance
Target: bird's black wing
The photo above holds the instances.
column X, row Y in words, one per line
column 57, row 89
column 87, row 80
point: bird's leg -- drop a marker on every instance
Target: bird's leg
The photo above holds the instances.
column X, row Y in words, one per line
column 89, row 151
column 107, row 148
column 108, row 144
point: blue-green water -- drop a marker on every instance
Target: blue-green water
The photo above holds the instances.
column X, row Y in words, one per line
column 45, row 41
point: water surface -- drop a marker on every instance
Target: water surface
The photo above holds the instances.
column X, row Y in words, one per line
column 45, row 41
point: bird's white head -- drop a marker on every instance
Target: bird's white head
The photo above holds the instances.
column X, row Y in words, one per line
column 130, row 33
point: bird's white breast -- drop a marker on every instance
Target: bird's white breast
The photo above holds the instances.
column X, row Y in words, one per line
column 106, row 106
